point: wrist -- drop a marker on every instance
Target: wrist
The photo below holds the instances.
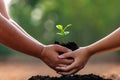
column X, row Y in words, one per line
column 90, row 50
column 85, row 51
column 40, row 54
column 38, row 50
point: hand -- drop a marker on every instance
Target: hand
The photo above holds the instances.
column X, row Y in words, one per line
column 80, row 57
column 50, row 56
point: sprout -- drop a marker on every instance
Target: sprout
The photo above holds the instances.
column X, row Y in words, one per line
column 62, row 30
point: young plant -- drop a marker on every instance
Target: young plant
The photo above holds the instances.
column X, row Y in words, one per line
column 62, row 30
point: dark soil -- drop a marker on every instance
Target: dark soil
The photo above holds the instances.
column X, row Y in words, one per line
column 71, row 45
column 72, row 77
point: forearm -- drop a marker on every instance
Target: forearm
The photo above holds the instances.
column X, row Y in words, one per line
column 20, row 28
column 108, row 43
column 14, row 38
column 4, row 12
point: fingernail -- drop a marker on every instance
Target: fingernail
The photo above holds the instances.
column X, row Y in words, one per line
column 60, row 56
column 57, row 67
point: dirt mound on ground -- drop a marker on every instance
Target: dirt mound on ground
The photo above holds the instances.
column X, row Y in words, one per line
column 72, row 77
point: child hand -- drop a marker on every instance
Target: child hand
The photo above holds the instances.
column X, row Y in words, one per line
column 80, row 57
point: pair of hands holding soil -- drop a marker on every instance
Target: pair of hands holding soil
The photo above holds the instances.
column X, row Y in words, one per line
column 61, row 63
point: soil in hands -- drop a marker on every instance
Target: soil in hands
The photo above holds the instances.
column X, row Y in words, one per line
column 71, row 45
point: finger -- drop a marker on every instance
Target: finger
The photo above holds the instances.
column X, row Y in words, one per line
column 69, row 67
column 69, row 73
column 75, row 70
column 62, row 65
column 62, row 49
column 66, row 55
column 66, row 61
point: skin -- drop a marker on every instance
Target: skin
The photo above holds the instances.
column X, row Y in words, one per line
column 109, row 43
column 13, row 36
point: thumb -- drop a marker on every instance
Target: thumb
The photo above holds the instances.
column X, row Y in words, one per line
column 65, row 55
column 62, row 49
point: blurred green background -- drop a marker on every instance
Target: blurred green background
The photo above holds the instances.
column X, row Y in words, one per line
column 91, row 19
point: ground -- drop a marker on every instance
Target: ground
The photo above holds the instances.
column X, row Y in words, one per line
column 22, row 68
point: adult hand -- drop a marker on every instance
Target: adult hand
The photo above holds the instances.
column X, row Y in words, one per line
column 50, row 56
column 80, row 57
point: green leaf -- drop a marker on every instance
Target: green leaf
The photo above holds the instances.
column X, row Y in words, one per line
column 66, row 32
column 60, row 27
column 59, row 34
column 67, row 26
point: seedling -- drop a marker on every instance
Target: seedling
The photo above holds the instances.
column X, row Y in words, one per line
column 62, row 30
